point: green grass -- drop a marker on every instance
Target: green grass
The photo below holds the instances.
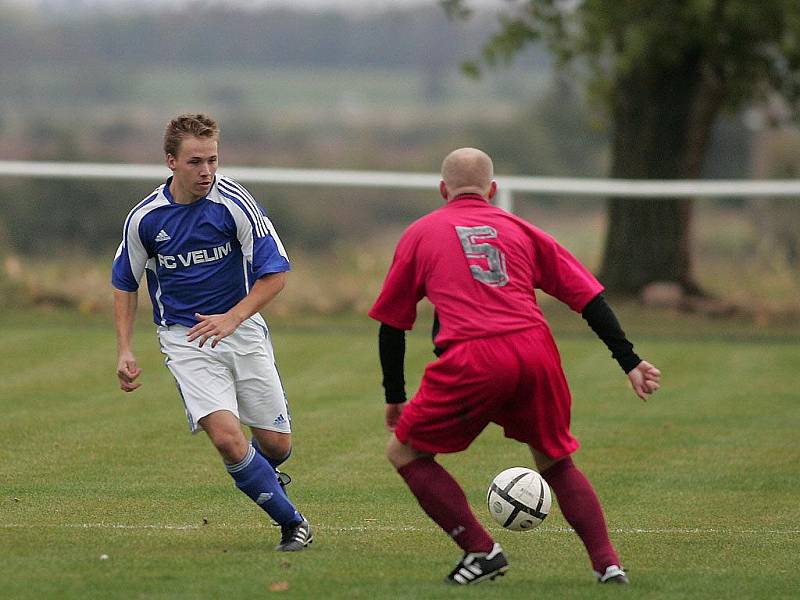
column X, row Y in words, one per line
column 700, row 485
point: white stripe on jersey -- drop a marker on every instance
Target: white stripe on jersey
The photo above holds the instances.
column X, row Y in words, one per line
column 137, row 255
column 251, row 203
column 275, row 237
column 245, row 270
column 150, row 197
column 228, row 186
column 244, row 229
column 151, row 265
column 239, row 214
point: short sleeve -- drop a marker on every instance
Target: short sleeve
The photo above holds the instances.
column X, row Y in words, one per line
column 130, row 259
column 562, row 276
column 403, row 287
column 269, row 255
column 259, row 241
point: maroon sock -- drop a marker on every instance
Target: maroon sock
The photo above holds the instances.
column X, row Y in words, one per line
column 581, row 508
column 444, row 501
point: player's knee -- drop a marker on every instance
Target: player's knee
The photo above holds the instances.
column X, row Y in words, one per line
column 391, row 451
column 399, row 454
column 232, row 448
column 544, row 462
column 275, row 445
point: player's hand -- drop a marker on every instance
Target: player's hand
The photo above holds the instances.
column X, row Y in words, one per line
column 127, row 372
column 393, row 412
column 645, row 379
column 213, row 326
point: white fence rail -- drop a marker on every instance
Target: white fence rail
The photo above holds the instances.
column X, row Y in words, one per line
column 507, row 185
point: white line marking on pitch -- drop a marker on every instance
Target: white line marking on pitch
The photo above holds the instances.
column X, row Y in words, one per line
column 383, row 528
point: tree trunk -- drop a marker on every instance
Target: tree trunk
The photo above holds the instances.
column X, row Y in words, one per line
column 662, row 122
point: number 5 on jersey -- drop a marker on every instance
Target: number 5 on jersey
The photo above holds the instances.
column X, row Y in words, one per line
column 478, row 250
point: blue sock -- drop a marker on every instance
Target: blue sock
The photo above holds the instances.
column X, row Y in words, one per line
column 275, row 462
column 256, row 478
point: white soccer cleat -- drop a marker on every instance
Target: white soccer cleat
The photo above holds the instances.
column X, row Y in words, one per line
column 475, row 567
column 613, row 574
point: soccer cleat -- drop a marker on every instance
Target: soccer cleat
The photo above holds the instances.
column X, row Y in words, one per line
column 475, row 567
column 283, row 478
column 295, row 537
column 613, row 574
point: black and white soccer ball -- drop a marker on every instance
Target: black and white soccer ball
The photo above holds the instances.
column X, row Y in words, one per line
column 519, row 499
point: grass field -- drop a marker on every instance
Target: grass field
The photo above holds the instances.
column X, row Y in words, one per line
column 318, row 95
column 700, row 485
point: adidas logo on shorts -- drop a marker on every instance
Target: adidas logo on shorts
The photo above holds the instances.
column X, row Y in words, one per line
column 279, row 420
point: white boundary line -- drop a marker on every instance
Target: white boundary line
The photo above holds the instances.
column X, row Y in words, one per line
column 388, row 529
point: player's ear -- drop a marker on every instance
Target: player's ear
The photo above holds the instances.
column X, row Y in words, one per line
column 492, row 190
column 171, row 162
column 443, row 189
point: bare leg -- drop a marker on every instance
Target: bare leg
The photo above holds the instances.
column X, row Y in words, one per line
column 274, row 445
column 253, row 475
column 225, row 433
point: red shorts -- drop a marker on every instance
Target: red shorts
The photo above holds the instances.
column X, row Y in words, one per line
column 514, row 380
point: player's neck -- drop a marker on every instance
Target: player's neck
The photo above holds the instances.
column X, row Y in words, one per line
column 180, row 195
column 467, row 195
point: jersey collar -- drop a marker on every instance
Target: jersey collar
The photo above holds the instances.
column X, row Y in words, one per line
column 468, row 196
column 171, row 200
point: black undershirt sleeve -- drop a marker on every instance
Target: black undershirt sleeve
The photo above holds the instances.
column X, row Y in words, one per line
column 392, row 351
column 604, row 323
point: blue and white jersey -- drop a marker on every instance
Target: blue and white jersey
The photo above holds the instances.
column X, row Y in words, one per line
column 199, row 258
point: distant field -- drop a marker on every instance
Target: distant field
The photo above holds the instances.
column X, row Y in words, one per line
column 308, row 95
column 700, row 485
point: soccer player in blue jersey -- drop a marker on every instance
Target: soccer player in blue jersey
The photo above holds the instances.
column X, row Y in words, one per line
column 212, row 260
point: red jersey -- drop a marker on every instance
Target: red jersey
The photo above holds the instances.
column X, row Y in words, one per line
column 478, row 265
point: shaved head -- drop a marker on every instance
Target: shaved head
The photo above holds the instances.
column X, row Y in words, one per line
column 467, row 170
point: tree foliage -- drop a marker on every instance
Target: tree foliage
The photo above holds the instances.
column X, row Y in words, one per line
column 663, row 70
column 750, row 48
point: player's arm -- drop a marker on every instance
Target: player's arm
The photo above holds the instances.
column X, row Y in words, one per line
column 126, row 272
column 392, row 351
column 644, row 377
column 220, row 326
column 264, row 251
column 125, row 304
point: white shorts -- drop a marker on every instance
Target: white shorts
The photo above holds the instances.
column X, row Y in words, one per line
column 239, row 376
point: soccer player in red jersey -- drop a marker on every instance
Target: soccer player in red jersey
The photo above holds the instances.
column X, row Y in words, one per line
column 497, row 360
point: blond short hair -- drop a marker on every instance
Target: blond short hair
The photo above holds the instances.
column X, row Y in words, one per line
column 183, row 126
